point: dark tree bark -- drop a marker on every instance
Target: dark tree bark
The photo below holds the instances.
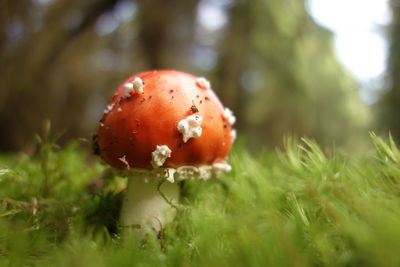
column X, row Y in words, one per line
column 27, row 67
column 166, row 31
column 390, row 102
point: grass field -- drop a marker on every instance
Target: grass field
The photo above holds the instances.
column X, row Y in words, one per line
column 299, row 207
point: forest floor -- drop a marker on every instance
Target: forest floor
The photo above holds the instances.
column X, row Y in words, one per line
column 298, row 207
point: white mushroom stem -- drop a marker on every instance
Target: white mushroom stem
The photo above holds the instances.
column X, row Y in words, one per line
column 143, row 205
column 151, row 196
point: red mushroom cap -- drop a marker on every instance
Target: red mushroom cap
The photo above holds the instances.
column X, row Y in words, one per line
column 136, row 122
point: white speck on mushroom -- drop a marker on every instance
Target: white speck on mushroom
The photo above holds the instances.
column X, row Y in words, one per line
column 223, row 167
column 203, row 82
column 119, row 109
column 171, row 175
column 125, row 162
column 204, row 172
column 109, row 108
column 160, row 155
column 233, row 135
column 101, row 124
column 187, row 172
column 190, row 127
column 128, row 88
column 229, row 117
column 138, row 85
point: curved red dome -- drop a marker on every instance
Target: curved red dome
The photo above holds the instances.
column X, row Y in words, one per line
column 136, row 122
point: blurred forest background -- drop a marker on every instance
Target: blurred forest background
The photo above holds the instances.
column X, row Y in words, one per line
column 266, row 59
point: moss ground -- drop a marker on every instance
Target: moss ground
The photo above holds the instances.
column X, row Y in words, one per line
column 299, row 207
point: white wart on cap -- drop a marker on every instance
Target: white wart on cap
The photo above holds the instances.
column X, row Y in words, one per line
column 229, row 117
column 203, row 82
column 190, row 127
column 160, row 155
column 136, row 85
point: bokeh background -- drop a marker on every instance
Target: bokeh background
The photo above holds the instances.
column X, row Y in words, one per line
column 276, row 63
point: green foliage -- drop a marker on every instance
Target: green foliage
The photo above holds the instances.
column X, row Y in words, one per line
column 303, row 206
column 269, row 62
column 287, row 78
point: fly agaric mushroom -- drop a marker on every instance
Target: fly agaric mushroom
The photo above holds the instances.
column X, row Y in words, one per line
column 163, row 125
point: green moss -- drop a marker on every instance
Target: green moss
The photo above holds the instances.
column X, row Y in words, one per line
column 303, row 206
